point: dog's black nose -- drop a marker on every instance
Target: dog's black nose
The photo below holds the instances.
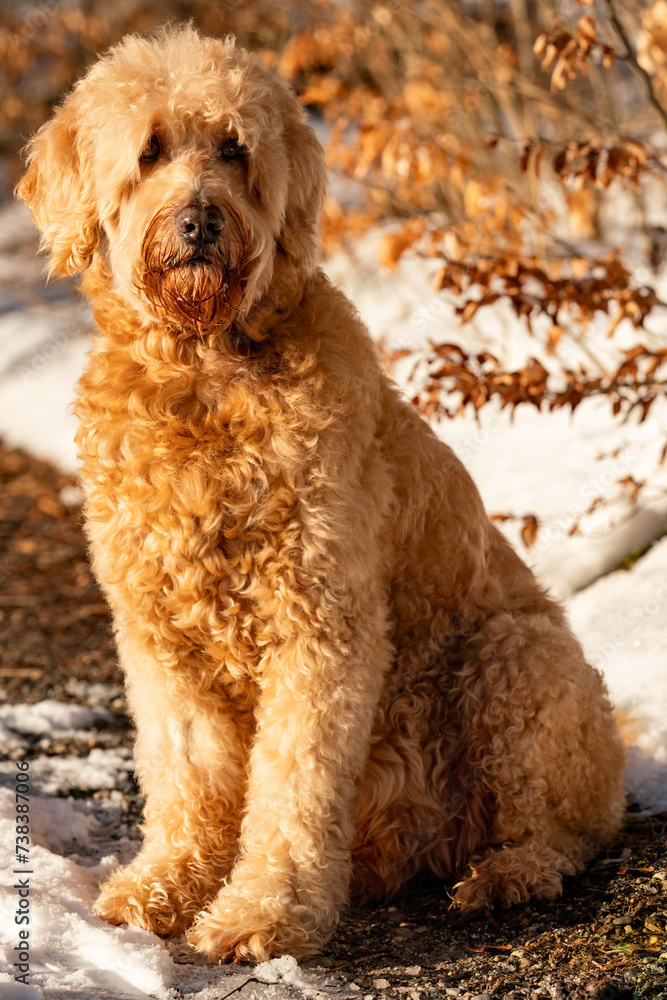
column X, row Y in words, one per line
column 200, row 224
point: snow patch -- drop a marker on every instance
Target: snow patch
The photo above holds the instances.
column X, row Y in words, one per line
column 646, row 780
column 100, row 769
column 60, row 825
column 72, row 951
column 47, row 718
column 11, row 990
column 286, row 970
column 621, row 622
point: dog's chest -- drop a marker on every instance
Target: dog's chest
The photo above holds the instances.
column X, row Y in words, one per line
column 192, row 535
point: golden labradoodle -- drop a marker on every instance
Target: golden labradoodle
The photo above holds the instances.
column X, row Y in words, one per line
column 341, row 673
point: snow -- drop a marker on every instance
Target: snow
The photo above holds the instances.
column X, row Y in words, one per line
column 70, row 949
column 549, row 465
column 48, row 717
column 72, row 952
column 286, row 970
column 98, row 770
column 10, row 990
column 621, row 620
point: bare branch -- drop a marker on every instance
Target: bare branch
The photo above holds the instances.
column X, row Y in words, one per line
column 631, row 56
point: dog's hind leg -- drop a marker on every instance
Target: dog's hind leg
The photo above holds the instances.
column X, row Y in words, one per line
column 540, row 730
column 513, row 874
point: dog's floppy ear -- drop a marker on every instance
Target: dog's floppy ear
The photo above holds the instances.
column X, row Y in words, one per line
column 58, row 189
column 307, row 182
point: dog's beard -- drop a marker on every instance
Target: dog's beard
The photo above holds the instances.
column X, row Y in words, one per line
column 197, row 295
column 196, row 289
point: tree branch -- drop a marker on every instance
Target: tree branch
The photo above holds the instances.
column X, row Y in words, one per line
column 632, row 59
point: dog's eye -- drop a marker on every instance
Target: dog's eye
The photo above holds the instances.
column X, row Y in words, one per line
column 232, row 149
column 151, row 151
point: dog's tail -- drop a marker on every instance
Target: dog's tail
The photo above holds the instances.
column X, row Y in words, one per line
column 630, row 725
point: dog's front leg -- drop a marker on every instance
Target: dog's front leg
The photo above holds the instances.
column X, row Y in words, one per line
column 190, row 762
column 320, row 690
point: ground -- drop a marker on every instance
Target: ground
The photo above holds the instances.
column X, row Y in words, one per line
column 606, row 939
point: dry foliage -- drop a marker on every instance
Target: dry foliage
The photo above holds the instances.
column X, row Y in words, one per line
column 491, row 139
column 571, row 50
column 486, row 136
column 476, row 378
column 45, row 45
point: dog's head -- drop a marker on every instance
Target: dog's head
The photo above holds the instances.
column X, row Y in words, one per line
column 190, row 169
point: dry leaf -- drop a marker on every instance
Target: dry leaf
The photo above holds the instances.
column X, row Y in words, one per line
column 529, row 531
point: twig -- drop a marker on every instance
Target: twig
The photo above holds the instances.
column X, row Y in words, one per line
column 248, row 979
column 632, row 59
column 32, row 673
column 410, row 209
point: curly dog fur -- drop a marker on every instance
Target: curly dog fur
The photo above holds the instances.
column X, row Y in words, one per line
column 341, row 673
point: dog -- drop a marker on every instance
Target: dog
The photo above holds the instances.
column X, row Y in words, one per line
column 341, row 673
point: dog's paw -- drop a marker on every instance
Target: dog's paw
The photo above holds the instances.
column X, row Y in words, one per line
column 511, row 876
column 251, row 927
column 149, row 897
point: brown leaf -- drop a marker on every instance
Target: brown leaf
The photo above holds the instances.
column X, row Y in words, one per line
column 529, row 531
column 540, row 44
column 394, row 245
column 553, row 337
column 586, row 28
column 525, row 156
column 469, row 310
column 490, row 947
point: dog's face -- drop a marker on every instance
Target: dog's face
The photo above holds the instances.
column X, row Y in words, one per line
column 190, row 169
